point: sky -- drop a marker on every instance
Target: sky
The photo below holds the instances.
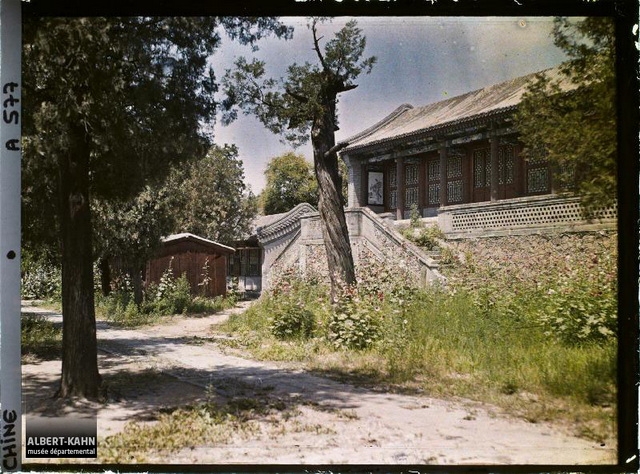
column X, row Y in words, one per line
column 420, row 60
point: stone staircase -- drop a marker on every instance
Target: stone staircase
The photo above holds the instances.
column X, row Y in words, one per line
column 372, row 236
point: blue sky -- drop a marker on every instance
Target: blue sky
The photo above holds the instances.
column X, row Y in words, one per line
column 420, row 60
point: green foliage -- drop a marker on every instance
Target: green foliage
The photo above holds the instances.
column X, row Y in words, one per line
column 289, row 182
column 356, row 321
column 580, row 307
column 290, row 319
column 289, row 106
column 571, row 298
column 40, row 338
column 40, row 280
column 169, row 297
column 493, row 334
column 428, row 238
column 576, row 131
column 210, row 198
column 291, row 314
column 415, row 217
column 132, row 228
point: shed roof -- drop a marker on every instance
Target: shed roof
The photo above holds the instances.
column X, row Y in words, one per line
column 407, row 121
column 187, row 237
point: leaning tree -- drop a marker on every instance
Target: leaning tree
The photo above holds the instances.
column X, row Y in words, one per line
column 301, row 106
column 113, row 104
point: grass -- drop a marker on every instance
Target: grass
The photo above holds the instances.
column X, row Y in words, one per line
column 487, row 341
column 120, row 309
column 204, row 424
column 41, row 339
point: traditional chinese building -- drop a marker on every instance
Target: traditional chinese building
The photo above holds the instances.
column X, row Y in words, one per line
column 458, row 151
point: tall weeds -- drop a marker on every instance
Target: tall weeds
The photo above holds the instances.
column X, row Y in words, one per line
column 495, row 331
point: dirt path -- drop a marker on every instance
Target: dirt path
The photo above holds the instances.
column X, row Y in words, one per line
column 171, row 364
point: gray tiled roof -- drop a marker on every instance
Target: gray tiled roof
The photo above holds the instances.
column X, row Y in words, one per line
column 407, row 121
column 185, row 236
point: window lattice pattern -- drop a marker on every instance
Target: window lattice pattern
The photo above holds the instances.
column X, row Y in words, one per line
column 479, row 170
column 434, row 194
column 549, row 214
column 411, row 196
column 393, row 199
column 506, row 164
column 536, row 161
column 433, row 170
column 537, row 180
column 411, row 175
column 454, row 191
column 393, row 177
column 454, row 167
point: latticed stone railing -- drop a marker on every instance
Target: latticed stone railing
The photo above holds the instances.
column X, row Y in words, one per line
column 521, row 216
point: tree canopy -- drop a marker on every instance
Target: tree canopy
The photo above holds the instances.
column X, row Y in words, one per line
column 211, row 198
column 113, row 104
column 575, row 130
column 289, row 182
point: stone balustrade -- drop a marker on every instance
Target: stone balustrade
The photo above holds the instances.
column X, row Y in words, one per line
column 520, row 216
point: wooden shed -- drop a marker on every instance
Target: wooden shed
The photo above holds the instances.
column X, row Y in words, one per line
column 204, row 263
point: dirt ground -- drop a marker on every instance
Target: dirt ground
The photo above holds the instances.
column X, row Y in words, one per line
column 150, row 370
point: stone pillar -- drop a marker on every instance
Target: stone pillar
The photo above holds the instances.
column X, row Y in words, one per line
column 354, row 182
column 494, row 163
column 400, row 188
column 443, row 174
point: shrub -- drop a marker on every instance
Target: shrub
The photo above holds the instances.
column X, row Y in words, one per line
column 581, row 307
column 291, row 319
column 41, row 280
column 169, row 296
column 356, row 321
column 427, row 238
column 415, row 217
column 291, row 315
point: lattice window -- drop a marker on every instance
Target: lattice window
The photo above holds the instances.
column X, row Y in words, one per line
column 454, row 191
column 393, row 177
column 411, row 172
column 538, row 176
column 253, row 263
column 506, row 164
column 481, row 168
column 411, row 196
column 393, row 199
column 393, row 187
column 454, row 166
column 433, row 170
column 434, row 194
column 538, row 180
column 411, row 175
column 433, row 180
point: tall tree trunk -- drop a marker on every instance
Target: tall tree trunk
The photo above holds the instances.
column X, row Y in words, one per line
column 330, row 203
column 105, row 276
column 80, row 375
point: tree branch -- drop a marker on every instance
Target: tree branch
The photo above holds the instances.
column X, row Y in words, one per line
column 347, row 87
column 298, row 97
column 316, row 46
column 335, row 149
